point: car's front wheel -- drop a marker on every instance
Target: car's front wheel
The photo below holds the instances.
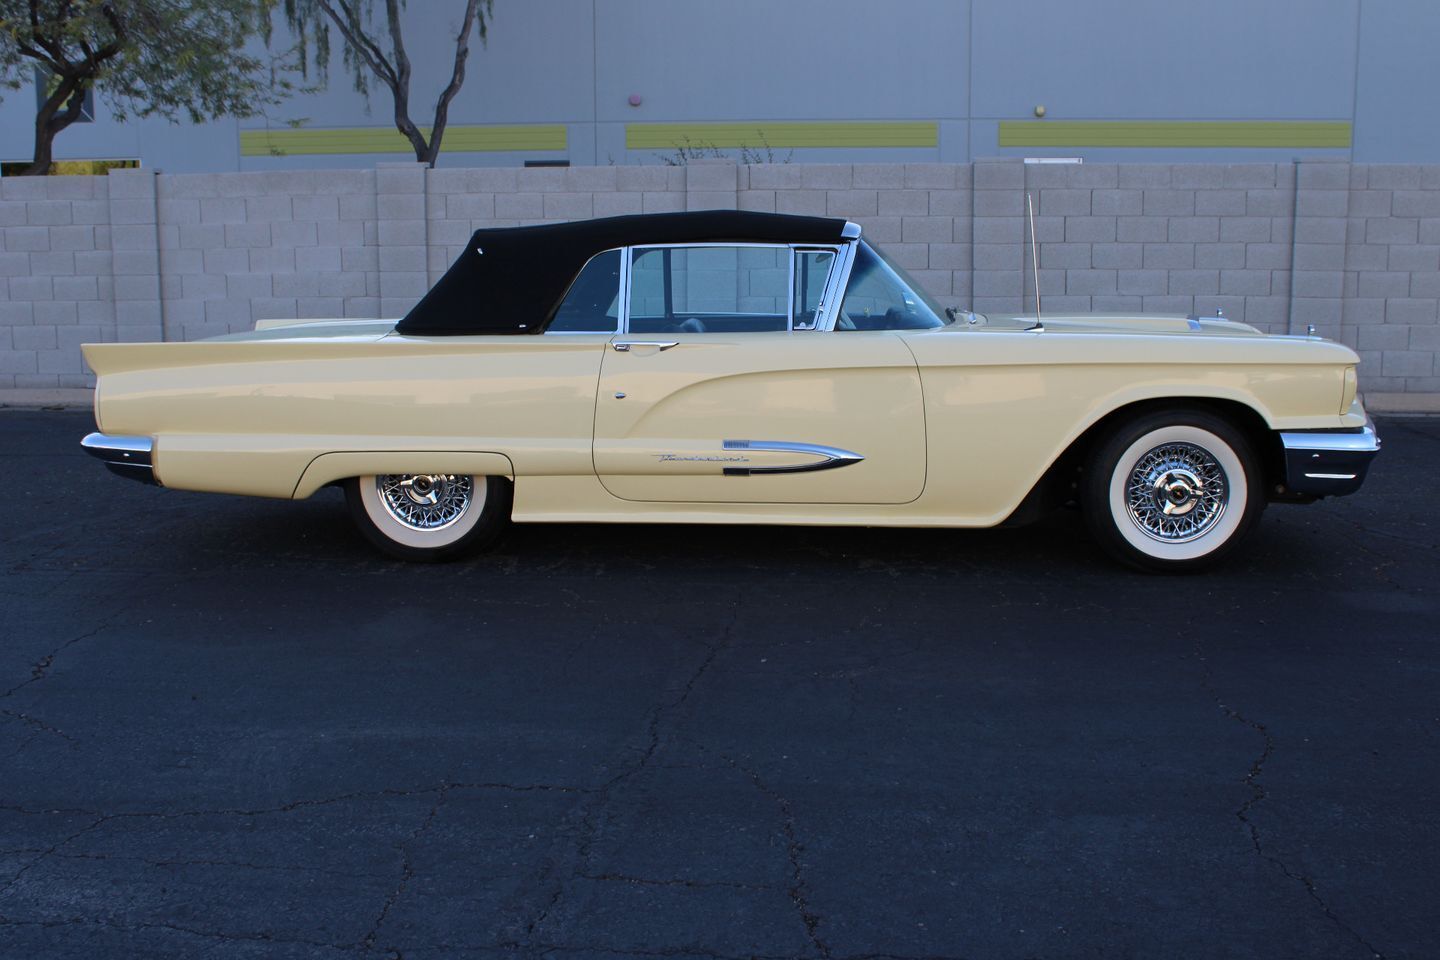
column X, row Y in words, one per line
column 1172, row 490
column 428, row 516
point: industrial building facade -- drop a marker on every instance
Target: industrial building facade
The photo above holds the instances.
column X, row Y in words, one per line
column 600, row 82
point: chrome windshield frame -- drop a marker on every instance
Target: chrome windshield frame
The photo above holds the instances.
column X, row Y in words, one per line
column 835, row 288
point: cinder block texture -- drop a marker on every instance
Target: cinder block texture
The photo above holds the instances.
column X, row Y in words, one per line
column 1354, row 249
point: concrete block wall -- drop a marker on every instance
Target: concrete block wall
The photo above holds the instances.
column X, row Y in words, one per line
column 1390, row 279
column 236, row 248
column 462, row 200
column 57, row 281
column 920, row 213
column 1352, row 249
column 1156, row 238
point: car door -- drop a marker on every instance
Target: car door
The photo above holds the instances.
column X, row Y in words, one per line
column 718, row 391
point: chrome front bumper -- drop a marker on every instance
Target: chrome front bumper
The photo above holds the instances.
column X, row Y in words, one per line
column 1328, row 463
column 127, row 456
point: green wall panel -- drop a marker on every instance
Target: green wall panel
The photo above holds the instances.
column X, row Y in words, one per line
column 1174, row 133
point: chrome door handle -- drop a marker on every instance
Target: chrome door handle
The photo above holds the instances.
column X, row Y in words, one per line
column 624, row 346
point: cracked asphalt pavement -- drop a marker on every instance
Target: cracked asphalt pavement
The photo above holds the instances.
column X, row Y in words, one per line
column 229, row 729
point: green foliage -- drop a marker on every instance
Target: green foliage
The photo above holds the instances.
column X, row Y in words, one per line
column 374, row 50
column 172, row 58
column 146, row 57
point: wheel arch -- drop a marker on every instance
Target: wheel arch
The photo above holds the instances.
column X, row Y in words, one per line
column 1058, row 483
column 329, row 468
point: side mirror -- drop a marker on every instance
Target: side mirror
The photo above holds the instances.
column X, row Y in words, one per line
column 957, row 315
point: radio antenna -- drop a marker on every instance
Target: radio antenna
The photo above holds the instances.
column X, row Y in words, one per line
column 1034, row 259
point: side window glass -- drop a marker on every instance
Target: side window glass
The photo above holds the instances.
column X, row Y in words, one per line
column 812, row 269
column 592, row 304
column 719, row 289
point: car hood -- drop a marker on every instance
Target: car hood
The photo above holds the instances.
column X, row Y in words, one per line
column 1122, row 323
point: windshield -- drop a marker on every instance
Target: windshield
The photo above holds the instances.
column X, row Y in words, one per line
column 881, row 296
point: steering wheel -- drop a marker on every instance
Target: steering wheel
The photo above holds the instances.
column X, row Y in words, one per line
column 895, row 319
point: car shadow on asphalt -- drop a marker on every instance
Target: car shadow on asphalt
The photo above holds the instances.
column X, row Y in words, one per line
column 319, row 531
column 318, row 535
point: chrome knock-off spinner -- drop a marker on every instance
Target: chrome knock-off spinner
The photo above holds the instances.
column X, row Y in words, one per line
column 425, row 501
column 1177, row 491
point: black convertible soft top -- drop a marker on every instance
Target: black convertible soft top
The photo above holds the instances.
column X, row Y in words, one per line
column 511, row 280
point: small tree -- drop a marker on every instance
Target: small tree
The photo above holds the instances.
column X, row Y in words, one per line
column 367, row 59
column 169, row 58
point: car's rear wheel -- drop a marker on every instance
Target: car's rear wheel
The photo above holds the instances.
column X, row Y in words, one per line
column 1173, row 490
column 429, row 516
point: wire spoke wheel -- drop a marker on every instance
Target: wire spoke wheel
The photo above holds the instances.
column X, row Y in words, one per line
column 429, row 516
column 1172, row 490
column 425, row 501
column 1176, row 492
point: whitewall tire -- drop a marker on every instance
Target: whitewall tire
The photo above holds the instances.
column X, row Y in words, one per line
column 428, row 517
column 1172, row 491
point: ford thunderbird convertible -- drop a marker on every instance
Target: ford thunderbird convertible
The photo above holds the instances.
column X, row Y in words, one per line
column 730, row 367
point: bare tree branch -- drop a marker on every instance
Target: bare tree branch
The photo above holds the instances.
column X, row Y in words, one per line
column 457, row 78
column 356, row 37
column 35, row 53
column 366, row 58
column 395, row 76
column 403, row 123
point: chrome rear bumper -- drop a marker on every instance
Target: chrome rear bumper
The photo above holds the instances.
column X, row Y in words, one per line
column 127, row 456
column 1328, row 463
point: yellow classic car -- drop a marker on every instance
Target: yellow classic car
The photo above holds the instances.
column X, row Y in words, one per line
column 732, row 367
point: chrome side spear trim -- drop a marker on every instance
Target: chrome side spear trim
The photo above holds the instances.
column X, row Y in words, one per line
column 833, row 457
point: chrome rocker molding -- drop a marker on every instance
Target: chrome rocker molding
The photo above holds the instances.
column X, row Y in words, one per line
column 834, row 457
column 1324, row 464
column 126, row 456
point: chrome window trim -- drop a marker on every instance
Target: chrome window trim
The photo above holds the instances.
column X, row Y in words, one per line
column 771, row 244
column 620, row 296
column 830, row 299
column 625, row 257
column 837, row 255
column 790, row 289
column 630, row 253
column 727, row 313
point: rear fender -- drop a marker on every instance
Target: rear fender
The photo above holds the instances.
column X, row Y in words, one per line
column 330, row 467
